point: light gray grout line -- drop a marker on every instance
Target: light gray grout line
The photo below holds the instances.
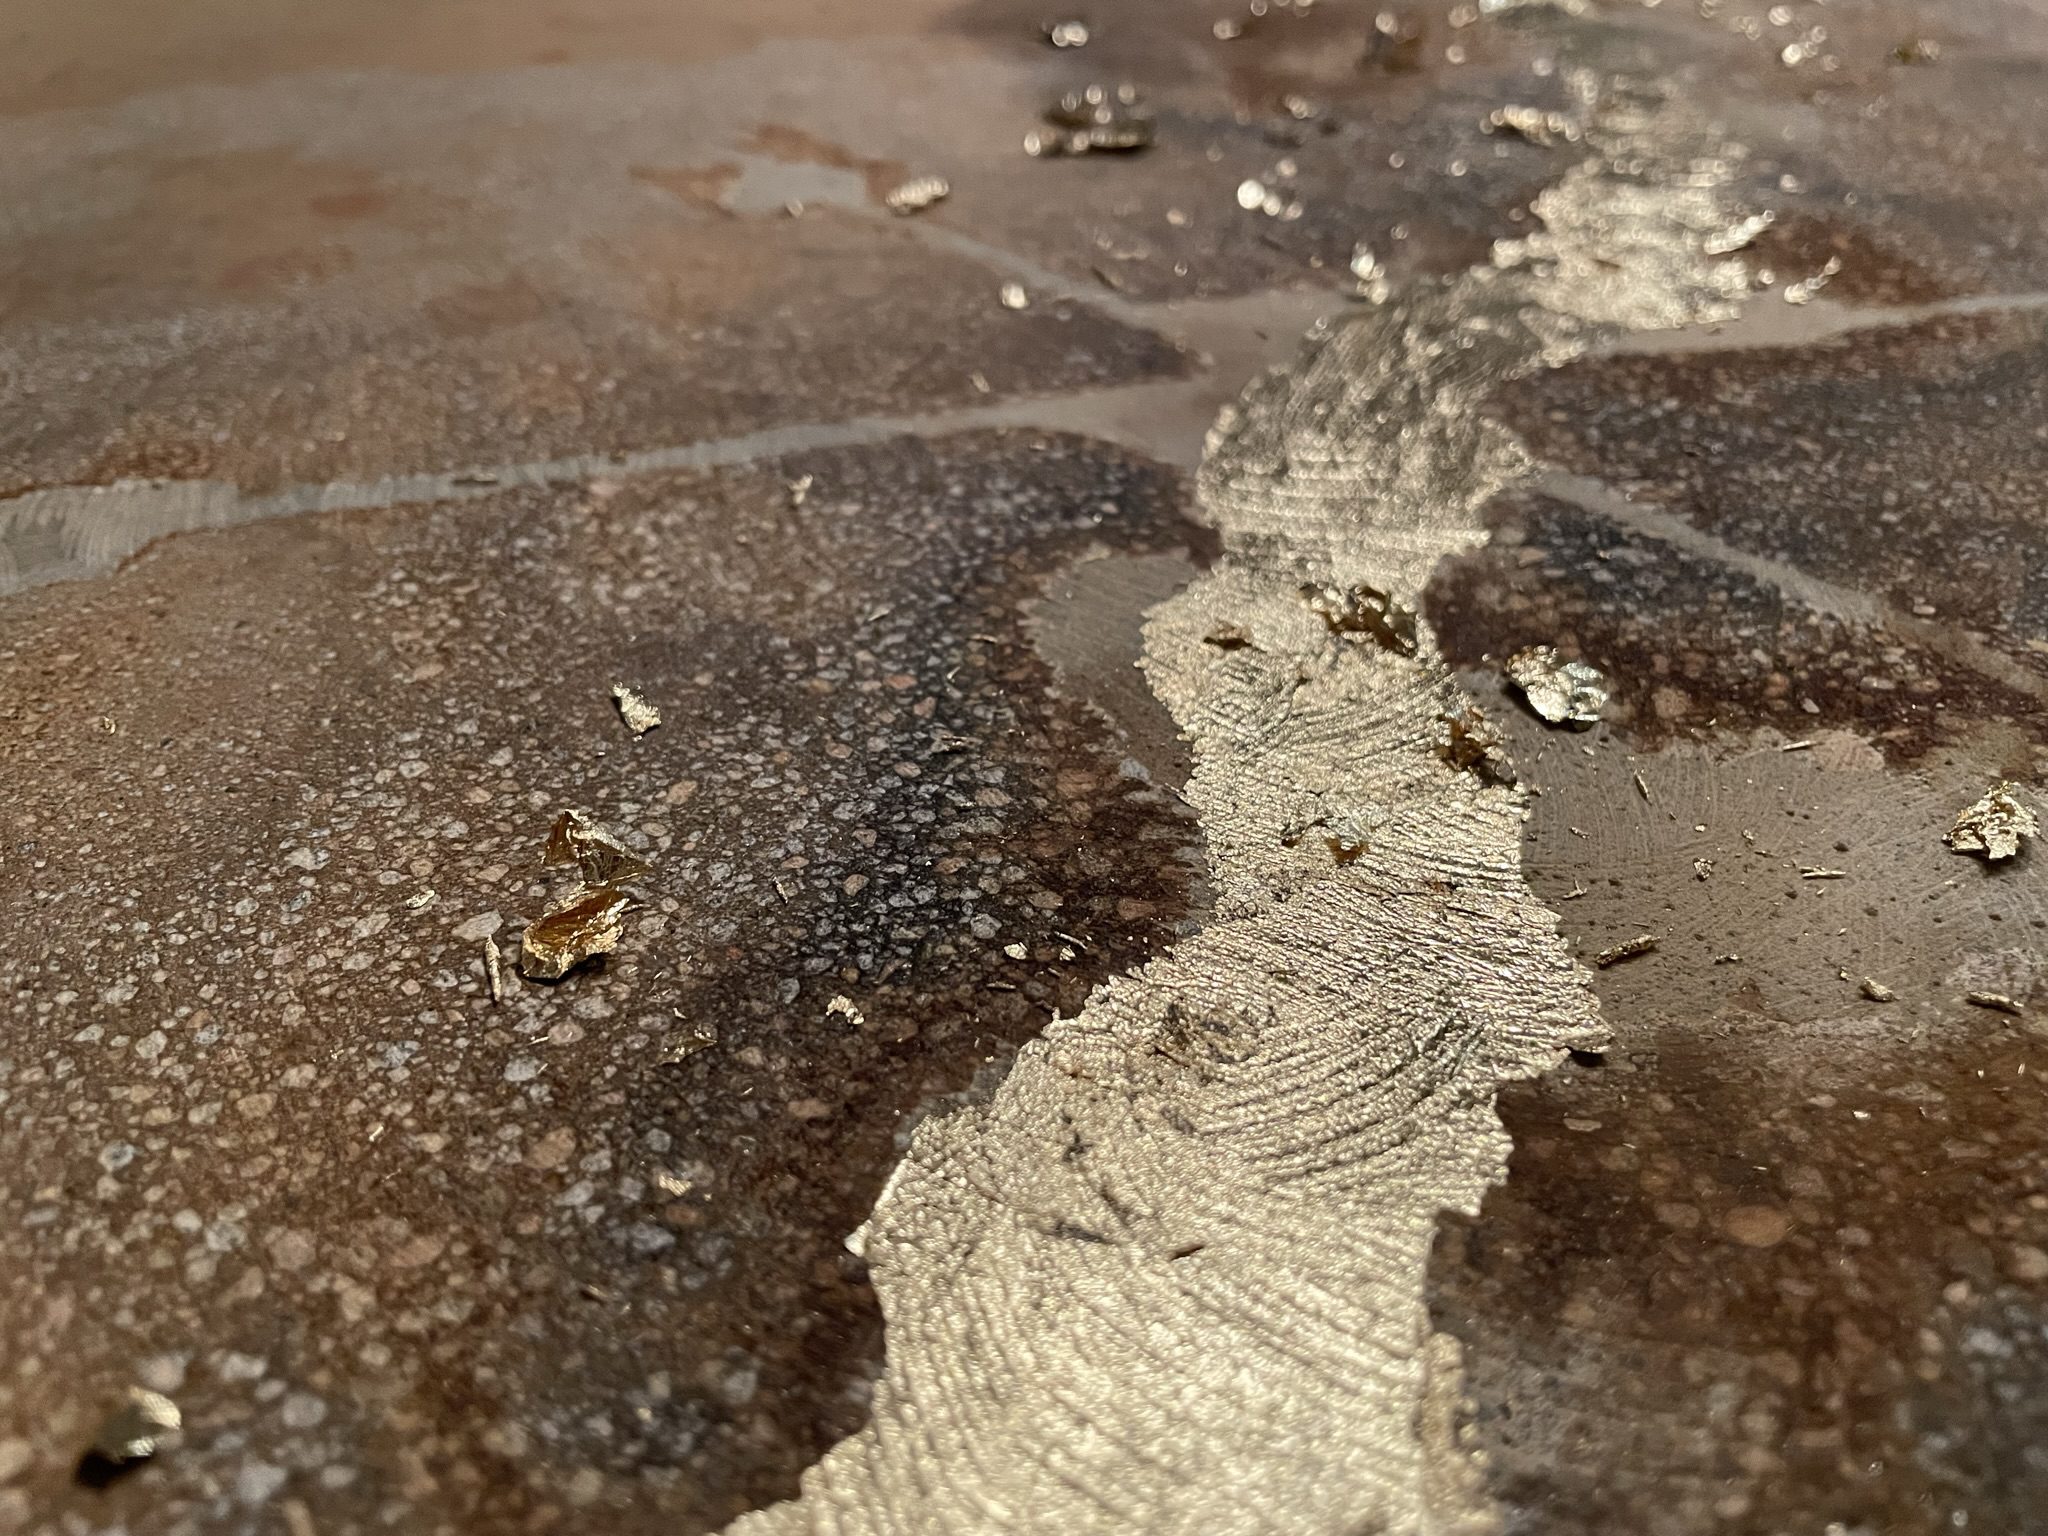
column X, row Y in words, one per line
column 1827, row 597
column 708, row 453
column 134, row 514
column 1769, row 324
column 1596, row 496
column 182, row 506
column 216, row 503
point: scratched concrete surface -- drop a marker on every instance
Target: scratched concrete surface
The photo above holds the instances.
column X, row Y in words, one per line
column 382, row 383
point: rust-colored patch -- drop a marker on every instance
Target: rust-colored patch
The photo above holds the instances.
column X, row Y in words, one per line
column 188, row 228
column 149, row 449
column 284, row 269
column 65, row 55
column 360, row 204
column 478, row 309
column 1799, row 244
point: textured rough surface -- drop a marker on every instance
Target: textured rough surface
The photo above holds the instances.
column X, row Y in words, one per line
column 509, row 353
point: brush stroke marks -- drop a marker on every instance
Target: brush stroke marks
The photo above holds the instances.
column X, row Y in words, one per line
column 1171, row 1277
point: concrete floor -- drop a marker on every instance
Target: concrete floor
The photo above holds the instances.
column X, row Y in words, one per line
column 384, row 383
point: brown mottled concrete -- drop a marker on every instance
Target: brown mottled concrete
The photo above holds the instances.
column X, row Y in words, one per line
column 1773, row 1261
column 1778, row 1261
column 276, row 1149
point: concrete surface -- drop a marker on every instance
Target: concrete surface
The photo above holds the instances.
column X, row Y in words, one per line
column 382, row 384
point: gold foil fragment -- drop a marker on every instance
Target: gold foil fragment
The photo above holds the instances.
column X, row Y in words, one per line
column 586, row 923
column 1561, row 692
column 1627, row 949
column 138, row 1428
column 639, row 715
column 598, row 853
column 1365, row 610
column 1993, row 827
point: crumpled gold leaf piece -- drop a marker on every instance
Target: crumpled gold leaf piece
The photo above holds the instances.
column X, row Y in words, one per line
column 1562, row 692
column 1365, row 610
column 1469, row 741
column 597, row 852
column 585, row 923
column 640, row 716
column 1993, row 826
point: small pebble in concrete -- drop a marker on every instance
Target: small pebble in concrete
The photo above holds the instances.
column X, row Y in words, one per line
column 1757, row 1226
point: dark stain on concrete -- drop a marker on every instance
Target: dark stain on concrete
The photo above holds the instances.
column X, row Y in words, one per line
column 1718, row 1294
column 1778, row 1260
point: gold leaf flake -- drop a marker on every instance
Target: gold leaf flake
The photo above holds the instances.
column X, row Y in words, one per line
column 1561, row 692
column 586, row 923
column 1627, row 949
column 598, row 853
column 917, row 194
column 138, row 1428
column 639, row 715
